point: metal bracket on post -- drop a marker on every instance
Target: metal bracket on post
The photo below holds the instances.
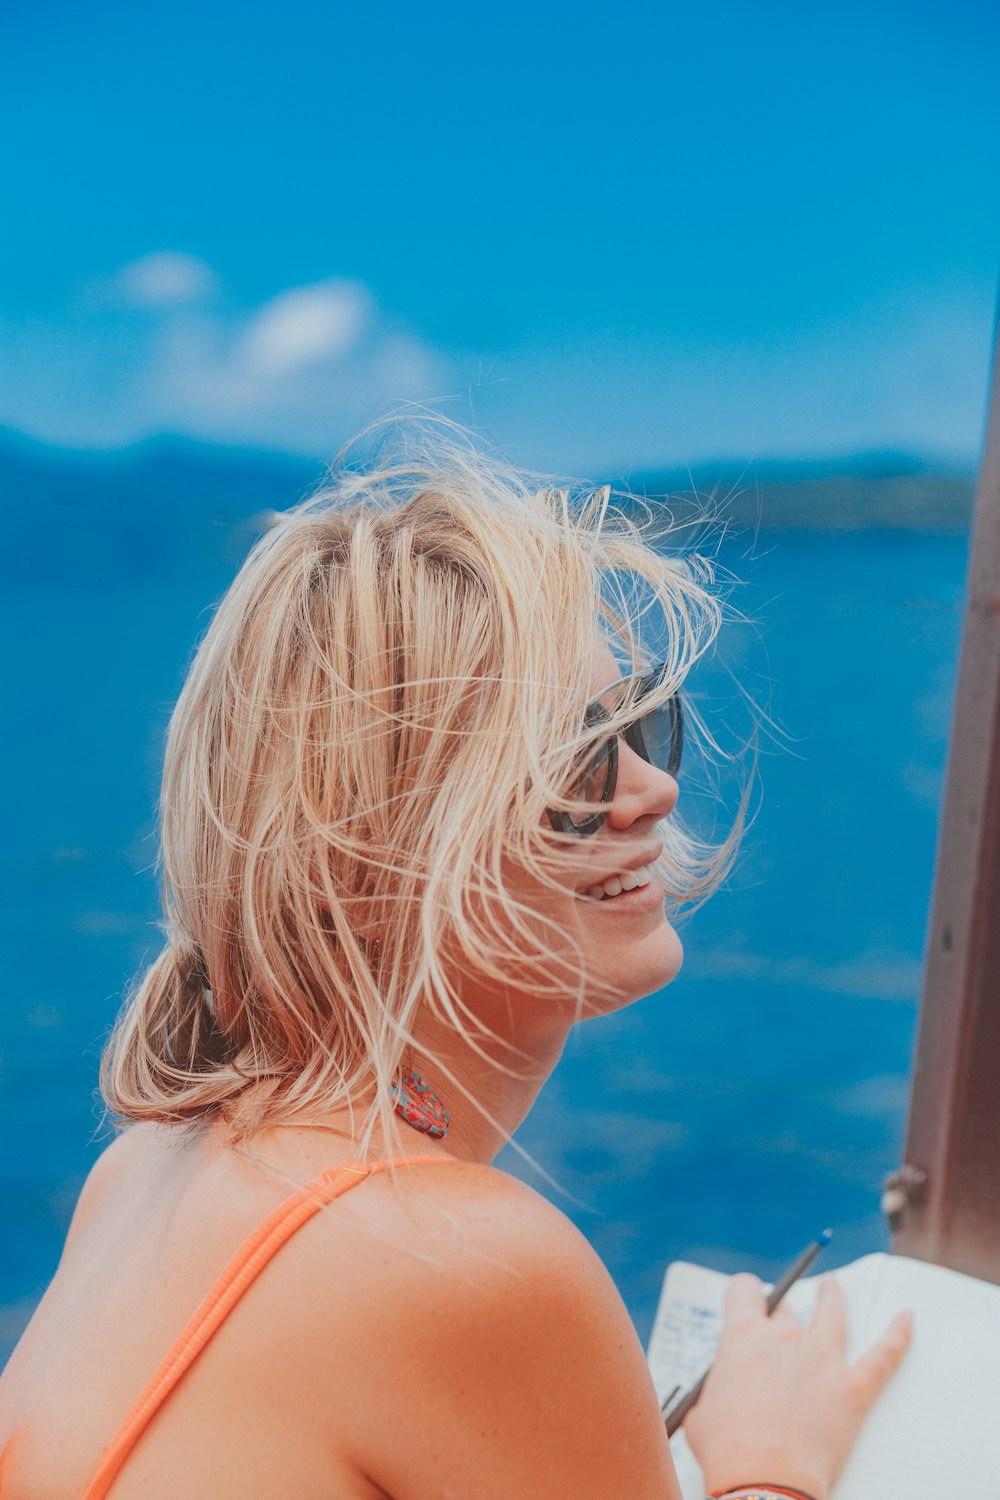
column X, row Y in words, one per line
column 901, row 1190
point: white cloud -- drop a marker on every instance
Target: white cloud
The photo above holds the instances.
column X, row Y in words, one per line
column 300, row 372
column 165, row 279
column 304, row 326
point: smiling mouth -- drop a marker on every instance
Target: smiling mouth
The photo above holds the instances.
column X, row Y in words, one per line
column 617, row 885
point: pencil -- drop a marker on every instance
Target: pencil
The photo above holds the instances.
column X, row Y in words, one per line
column 799, row 1266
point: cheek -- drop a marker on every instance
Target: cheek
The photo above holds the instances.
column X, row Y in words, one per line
column 538, row 946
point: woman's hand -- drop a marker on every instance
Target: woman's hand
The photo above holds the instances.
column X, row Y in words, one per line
column 781, row 1404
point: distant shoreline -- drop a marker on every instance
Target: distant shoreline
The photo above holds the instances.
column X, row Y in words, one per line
column 873, row 492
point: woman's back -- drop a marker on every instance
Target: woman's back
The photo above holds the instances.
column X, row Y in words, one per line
column 160, row 1218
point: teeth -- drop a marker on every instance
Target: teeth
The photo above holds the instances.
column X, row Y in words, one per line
column 628, row 880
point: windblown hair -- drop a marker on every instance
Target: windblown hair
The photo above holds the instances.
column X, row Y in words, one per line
column 388, row 699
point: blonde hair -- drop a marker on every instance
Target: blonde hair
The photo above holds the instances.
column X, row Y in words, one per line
column 389, row 698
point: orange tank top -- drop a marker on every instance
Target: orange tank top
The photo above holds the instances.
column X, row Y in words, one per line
column 243, row 1269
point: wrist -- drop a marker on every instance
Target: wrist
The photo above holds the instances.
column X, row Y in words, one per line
column 762, row 1490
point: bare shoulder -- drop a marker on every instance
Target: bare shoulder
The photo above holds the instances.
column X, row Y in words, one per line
column 127, row 1146
column 102, row 1181
column 489, row 1231
column 468, row 1230
column 484, row 1331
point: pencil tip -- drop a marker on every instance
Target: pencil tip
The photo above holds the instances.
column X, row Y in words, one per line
column 825, row 1237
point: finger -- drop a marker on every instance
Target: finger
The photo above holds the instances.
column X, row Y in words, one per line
column 829, row 1321
column 783, row 1314
column 744, row 1298
column 876, row 1368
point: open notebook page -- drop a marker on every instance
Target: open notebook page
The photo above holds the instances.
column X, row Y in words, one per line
column 934, row 1430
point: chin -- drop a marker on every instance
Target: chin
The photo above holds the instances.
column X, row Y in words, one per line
column 669, row 957
column 648, row 967
column 674, row 957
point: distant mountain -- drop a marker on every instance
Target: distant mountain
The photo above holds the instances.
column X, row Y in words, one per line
column 819, row 499
column 179, row 475
column 146, row 510
column 144, row 506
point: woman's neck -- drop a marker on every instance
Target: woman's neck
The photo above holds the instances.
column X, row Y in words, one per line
column 487, row 1089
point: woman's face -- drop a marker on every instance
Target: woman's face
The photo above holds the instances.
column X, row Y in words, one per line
column 627, row 945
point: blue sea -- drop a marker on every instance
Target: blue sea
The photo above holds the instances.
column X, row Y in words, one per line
column 759, row 1099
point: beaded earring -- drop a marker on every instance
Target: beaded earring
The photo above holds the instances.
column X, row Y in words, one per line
column 416, row 1103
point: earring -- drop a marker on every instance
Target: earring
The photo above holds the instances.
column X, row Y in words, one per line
column 416, row 1103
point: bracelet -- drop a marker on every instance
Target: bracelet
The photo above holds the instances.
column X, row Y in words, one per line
column 761, row 1491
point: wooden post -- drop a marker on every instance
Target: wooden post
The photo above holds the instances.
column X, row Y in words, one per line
column 944, row 1204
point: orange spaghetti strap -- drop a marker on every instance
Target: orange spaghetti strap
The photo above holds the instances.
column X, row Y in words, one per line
column 248, row 1262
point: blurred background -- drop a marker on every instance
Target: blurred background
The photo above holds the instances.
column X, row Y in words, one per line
column 742, row 252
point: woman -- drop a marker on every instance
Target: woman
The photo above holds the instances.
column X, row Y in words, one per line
column 418, row 820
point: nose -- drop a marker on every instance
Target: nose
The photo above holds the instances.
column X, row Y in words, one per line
column 642, row 791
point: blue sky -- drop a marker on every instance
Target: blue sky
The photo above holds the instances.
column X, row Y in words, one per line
column 609, row 236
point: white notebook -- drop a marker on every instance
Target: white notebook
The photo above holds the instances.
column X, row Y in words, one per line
column 934, row 1431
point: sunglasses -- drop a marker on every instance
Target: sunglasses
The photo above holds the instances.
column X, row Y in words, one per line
column 656, row 734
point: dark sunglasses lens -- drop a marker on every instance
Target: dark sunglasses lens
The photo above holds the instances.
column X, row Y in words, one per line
column 595, row 778
column 658, row 736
